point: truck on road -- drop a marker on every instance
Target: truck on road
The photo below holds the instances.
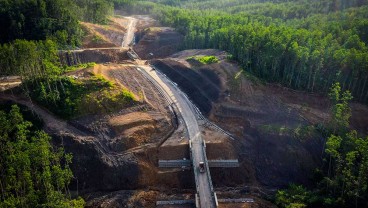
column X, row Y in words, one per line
column 201, row 167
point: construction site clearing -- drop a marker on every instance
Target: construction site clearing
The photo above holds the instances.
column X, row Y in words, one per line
column 256, row 125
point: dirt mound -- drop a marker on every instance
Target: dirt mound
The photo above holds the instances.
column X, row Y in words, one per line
column 8, row 82
column 135, row 129
column 70, row 58
column 103, row 36
column 138, row 198
column 123, row 199
column 158, row 42
column 130, row 120
column 203, row 93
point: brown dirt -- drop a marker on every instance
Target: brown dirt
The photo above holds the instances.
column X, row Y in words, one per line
column 129, row 77
column 144, row 21
column 136, row 199
column 132, row 127
column 100, row 56
column 175, row 147
column 9, row 82
column 268, row 121
column 123, row 199
column 125, row 147
column 120, row 123
column 136, row 128
column 218, row 146
column 160, row 41
column 104, row 36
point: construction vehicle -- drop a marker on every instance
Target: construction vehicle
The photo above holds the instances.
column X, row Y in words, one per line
column 201, row 167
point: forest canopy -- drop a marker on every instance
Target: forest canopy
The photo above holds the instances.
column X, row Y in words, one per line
column 55, row 19
column 32, row 172
column 305, row 45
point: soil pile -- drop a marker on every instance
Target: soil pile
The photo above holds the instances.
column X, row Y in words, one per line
column 158, row 42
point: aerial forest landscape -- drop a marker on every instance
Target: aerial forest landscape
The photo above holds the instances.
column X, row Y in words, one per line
column 184, row 103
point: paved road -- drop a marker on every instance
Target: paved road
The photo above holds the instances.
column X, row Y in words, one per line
column 203, row 180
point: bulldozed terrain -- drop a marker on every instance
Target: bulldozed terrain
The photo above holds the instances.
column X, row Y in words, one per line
column 115, row 155
column 275, row 128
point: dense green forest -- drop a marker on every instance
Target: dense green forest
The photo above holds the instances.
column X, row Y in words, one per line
column 32, row 172
column 306, row 45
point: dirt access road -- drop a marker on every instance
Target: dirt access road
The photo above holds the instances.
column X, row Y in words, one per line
column 203, row 180
column 129, row 36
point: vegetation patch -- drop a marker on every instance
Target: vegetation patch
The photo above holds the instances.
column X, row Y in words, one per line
column 204, row 59
column 79, row 66
column 299, row 132
column 97, row 39
column 70, row 97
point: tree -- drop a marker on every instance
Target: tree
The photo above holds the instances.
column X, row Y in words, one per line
column 295, row 196
column 341, row 111
column 32, row 172
column 348, row 179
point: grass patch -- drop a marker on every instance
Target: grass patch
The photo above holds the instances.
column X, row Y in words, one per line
column 69, row 98
column 204, row 59
column 300, row 132
column 97, row 39
column 252, row 78
column 79, row 66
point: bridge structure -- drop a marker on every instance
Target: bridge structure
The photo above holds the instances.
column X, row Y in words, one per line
column 188, row 163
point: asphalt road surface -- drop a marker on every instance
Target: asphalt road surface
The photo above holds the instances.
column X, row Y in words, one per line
column 203, row 180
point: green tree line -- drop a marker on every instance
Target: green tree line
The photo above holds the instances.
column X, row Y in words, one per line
column 308, row 53
column 29, row 59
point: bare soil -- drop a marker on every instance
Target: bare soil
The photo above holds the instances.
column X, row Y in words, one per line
column 158, row 42
column 104, row 36
column 100, row 56
column 9, row 82
column 273, row 126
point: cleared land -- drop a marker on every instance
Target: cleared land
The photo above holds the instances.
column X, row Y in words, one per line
column 271, row 124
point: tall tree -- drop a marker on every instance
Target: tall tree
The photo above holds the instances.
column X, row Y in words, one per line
column 32, row 172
